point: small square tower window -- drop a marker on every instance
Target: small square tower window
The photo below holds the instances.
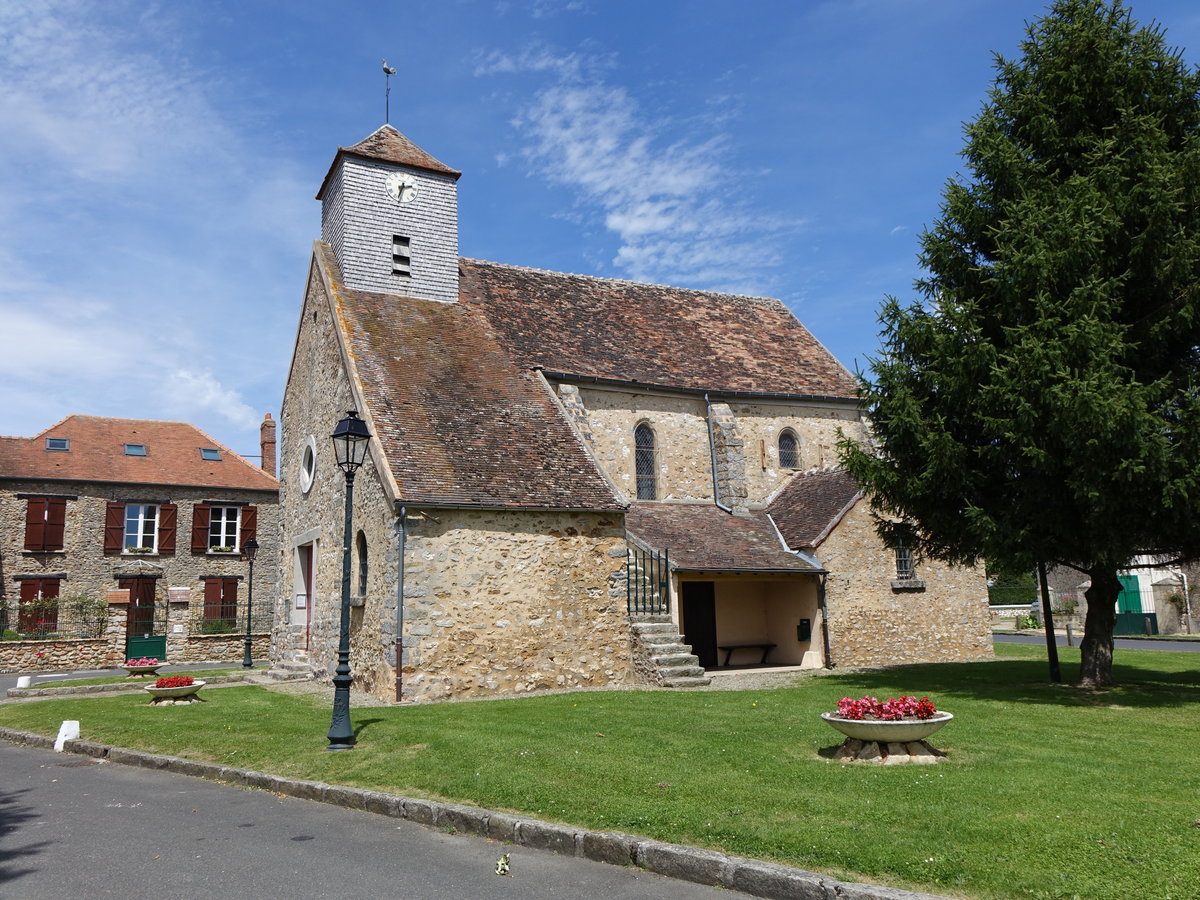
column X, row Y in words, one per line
column 401, row 256
column 210, row 453
column 58, row 443
column 135, row 449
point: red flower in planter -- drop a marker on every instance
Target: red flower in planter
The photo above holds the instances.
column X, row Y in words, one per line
column 174, row 681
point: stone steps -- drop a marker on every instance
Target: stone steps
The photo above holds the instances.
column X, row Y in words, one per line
column 673, row 659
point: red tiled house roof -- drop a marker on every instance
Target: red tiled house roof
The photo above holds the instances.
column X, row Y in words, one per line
column 703, row 538
column 459, row 423
column 812, row 505
column 97, row 453
column 650, row 334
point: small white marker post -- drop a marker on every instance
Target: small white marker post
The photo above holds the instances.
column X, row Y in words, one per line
column 24, row 681
column 68, row 731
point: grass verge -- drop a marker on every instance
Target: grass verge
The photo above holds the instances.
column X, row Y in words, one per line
column 1051, row 792
column 125, row 679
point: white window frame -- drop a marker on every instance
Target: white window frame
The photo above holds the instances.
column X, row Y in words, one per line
column 144, row 517
column 224, row 522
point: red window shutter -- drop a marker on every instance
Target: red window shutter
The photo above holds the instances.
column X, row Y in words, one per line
column 27, row 620
column 168, row 516
column 49, row 616
column 35, row 524
column 249, row 523
column 200, row 518
column 56, row 520
column 29, row 589
column 212, row 598
column 114, row 527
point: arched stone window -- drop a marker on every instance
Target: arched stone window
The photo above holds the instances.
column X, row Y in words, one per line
column 789, row 449
column 643, row 444
column 361, row 547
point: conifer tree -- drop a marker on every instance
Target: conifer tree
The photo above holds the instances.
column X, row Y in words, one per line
column 1039, row 401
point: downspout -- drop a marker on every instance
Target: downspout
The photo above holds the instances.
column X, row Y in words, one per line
column 401, row 536
column 712, row 452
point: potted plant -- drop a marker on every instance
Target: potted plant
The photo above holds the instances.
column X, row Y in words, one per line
column 146, row 665
column 220, row 549
column 175, row 687
column 895, row 720
column 139, row 549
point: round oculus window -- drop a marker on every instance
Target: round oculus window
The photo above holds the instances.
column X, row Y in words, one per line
column 308, row 464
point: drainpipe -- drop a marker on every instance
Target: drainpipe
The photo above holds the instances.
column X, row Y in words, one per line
column 712, row 452
column 401, row 536
column 824, row 620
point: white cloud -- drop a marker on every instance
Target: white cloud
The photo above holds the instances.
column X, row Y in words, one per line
column 189, row 393
column 672, row 203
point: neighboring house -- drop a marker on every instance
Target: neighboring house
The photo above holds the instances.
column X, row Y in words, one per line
column 1157, row 595
column 572, row 481
column 122, row 536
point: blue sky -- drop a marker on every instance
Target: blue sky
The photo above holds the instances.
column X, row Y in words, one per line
column 159, row 164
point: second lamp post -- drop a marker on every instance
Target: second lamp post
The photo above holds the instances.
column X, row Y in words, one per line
column 350, row 441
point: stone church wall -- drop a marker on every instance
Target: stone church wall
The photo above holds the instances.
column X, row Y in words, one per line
column 873, row 624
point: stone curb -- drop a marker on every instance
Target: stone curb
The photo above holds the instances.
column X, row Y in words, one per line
column 66, row 690
column 750, row 876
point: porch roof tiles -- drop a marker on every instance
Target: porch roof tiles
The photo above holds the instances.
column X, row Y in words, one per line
column 703, row 538
column 809, row 508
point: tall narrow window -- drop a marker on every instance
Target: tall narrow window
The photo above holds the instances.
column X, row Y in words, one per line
column 904, row 564
column 361, row 547
column 643, row 443
column 38, row 613
column 789, row 450
column 401, row 256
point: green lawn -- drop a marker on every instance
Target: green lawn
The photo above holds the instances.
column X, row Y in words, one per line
column 137, row 681
column 1049, row 792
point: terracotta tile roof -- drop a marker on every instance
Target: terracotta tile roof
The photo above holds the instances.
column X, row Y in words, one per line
column 647, row 333
column 97, row 453
column 460, row 424
column 389, row 145
column 808, row 508
column 701, row 537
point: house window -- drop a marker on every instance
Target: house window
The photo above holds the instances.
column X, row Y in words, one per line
column 223, row 524
column 45, row 519
column 308, row 464
column 38, row 612
column 212, row 454
column 220, row 606
column 361, row 547
column 58, row 443
column 905, row 570
column 141, row 527
column 643, row 443
column 789, row 450
column 401, row 256
column 135, row 449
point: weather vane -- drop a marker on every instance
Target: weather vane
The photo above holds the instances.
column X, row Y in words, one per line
column 388, row 72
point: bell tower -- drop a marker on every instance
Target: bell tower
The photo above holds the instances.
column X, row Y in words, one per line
column 389, row 210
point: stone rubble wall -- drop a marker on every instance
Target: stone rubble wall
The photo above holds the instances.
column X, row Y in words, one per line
column 873, row 624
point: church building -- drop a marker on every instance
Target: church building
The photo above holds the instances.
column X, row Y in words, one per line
column 571, row 481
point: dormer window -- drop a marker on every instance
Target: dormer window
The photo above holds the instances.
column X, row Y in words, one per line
column 210, row 453
column 135, row 449
column 58, row 443
column 401, row 256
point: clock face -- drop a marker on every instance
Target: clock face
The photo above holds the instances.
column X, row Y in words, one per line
column 401, row 187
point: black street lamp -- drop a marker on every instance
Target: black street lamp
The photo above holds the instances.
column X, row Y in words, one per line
column 350, row 441
column 250, row 548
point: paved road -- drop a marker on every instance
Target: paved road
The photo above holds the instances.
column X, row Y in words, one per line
column 71, row 826
column 1119, row 643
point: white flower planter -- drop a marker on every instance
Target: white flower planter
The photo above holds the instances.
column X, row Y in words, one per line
column 174, row 692
column 899, row 731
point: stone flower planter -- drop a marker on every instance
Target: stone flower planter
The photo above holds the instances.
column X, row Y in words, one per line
column 185, row 693
column 133, row 671
column 899, row 731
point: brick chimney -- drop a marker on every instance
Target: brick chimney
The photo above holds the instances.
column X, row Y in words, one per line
column 266, row 438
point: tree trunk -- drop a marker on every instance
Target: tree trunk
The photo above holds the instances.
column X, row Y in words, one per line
column 1096, row 648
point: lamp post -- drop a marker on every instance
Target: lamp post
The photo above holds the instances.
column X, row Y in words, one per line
column 250, row 548
column 350, row 441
